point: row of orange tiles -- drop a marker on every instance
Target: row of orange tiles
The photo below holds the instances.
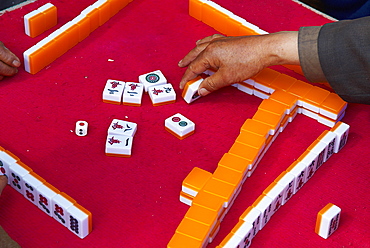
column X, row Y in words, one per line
column 60, row 41
column 17, row 172
column 287, row 184
column 315, row 102
column 211, row 195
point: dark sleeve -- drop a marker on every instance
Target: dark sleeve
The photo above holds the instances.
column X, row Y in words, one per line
column 340, row 56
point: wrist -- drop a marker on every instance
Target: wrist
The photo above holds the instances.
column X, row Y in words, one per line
column 282, row 48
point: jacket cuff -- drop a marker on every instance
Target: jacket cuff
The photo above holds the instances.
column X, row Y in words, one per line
column 308, row 54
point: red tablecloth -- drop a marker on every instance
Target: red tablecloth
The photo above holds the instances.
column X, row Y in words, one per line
column 135, row 201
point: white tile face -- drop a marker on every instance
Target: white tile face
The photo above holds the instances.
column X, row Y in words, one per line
column 60, row 204
column 287, row 181
column 310, row 160
column 121, row 127
column 152, row 79
column 254, row 218
column 300, row 173
column 113, row 91
column 245, row 88
column 329, row 221
column 133, row 93
column 276, row 194
column 180, row 125
column 321, row 150
column 162, row 94
column 342, row 135
column 78, row 221
column 44, row 197
column 191, row 93
column 31, row 183
column 5, row 161
column 265, row 207
column 16, row 174
column 245, row 232
column 118, row 145
column 81, row 128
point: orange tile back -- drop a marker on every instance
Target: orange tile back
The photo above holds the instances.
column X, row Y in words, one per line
column 193, row 229
column 273, row 107
column 300, row 89
column 246, row 152
column 37, row 24
column 84, row 27
column 285, row 98
column 228, row 176
column 202, row 215
column 316, row 95
column 195, row 9
column 266, row 76
column 256, row 127
column 210, row 201
column 37, row 60
column 251, row 139
column 179, row 240
column 220, row 189
column 50, row 17
column 232, row 27
column 333, row 104
column 72, row 34
column 283, row 82
column 220, row 21
column 208, row 14
column 273, row 120
column 196, row 179
column 243, row 30
column 234, row 162
column 94, row 19
column 104, row 13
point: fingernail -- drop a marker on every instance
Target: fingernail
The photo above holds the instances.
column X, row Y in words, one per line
column 16, row 63
column 180, row 62
column 203, row 92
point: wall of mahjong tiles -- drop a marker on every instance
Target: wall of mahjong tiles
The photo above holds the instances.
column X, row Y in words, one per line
column 135, row 201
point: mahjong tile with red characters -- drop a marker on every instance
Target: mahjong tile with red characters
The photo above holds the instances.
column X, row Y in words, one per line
column 132, row 94
column 113, row 91
column 162, row 94
column 118, row 146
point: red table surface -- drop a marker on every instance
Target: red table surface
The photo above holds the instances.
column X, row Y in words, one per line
column 135, row 201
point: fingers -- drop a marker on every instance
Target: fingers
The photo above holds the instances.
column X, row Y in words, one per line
column 197, row 67
column 3, row 182
column 214, row 82
column 209, row 39
column 8, row 62
column 201, row 45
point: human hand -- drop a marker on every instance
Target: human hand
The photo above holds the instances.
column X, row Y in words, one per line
column 8, row 62
column 236, row 59
column 3, row 183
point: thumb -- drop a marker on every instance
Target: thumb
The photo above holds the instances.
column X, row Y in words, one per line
column 212, row 83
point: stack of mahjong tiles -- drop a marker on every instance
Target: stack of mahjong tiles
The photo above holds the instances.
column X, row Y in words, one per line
column 130, row 93
column 286, row 185
column 160, row 92
column 221, row 19
column 210, row 196
column 40, row 20
column 284, row 91
column 50, row 200
column 120, row 138
column 70, row 34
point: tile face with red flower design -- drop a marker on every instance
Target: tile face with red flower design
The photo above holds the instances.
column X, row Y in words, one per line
column 118, row 146
column 132, row 94
column 113, row 91
column 162, row 94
